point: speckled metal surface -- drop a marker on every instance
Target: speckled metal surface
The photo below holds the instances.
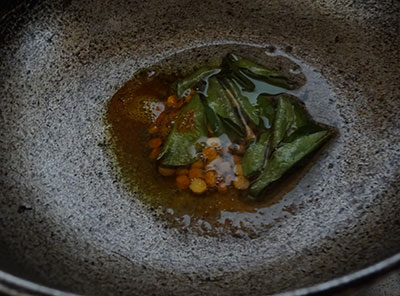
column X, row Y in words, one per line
column 390, row 285
column 68, row 223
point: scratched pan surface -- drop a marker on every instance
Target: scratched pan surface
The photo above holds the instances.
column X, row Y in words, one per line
column 68, row 223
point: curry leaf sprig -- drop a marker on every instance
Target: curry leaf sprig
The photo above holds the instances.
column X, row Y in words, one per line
column 250, row 104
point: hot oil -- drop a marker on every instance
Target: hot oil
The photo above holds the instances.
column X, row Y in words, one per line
column 130, row 114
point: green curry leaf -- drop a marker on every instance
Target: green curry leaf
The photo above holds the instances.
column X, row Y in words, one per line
column 220, row 103
column 214, row 120
column 285, row 157
column 289, row 117
column 283, row 120
column 304, row 130
column 300, row 119
column 267, row 110
column 195, row 78
column 249, row 111
column 254, row 157
column 260, row 72
column 182, row 144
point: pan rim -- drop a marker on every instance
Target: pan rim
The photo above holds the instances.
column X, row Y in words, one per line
column 15, row 285
column 18, row 286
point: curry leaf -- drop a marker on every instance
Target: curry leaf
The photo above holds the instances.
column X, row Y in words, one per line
column 214, row 121
column 250, row 112
column 254, row 157
column 243, row 80
column 183, row 141
column 285, row 157
column 260, row 72
column 299, row 118
column 267, row 110
column 196, row 77
column 304, row 130
column 289, row 117
column 283, row 120
column 231, row 70
column 232, row 130
column 220, row 103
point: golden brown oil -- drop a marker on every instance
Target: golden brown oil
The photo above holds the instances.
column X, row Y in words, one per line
column 130, row 113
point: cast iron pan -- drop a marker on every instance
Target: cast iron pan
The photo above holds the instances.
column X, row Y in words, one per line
column 66, row 220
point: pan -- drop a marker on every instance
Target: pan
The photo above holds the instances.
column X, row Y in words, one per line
column 68, row 225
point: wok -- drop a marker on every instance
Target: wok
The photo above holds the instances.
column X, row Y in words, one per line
column 67, row 223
